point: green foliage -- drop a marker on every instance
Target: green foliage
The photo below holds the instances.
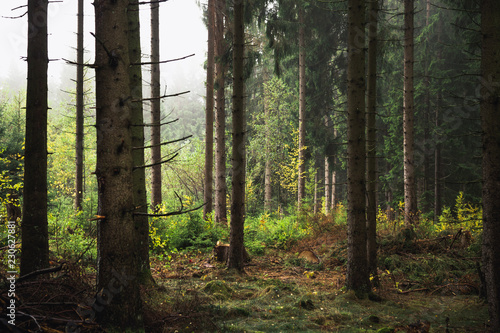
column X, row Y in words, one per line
column 73, row 233
column 184, row 232
column 279, row 232
column 464, row 215
column 11, row 151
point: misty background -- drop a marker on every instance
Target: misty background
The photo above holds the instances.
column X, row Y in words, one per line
column 182, row 32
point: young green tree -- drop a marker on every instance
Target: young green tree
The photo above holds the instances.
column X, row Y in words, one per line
column 118, row 258
column 490, row 118
column 34, row 227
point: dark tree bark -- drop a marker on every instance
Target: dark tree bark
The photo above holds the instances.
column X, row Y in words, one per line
column 137, row 116
column 118, row 258
column 490, row 120
column 236, row 235
column 371, row 140
column 209, row 112
column 357, row 277
column 34, row 227
column 156, row 179
column 267, row 168
column 438, row 166
column 220, row 118
column 302, row 110
column 79, row 110
column 411, row 212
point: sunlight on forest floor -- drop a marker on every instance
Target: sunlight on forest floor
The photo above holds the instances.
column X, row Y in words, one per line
column 279, row 293
column 430, row 285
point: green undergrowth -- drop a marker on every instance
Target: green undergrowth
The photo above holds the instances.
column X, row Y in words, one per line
column 249, row 304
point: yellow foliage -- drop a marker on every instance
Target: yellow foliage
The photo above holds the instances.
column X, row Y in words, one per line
column 288, row 170
column 467, row 217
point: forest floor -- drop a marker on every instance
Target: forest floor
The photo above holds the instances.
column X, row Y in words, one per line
column 429, row 288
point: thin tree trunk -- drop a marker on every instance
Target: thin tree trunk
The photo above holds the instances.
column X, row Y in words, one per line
column 139, row 174
column 315, row 206
column 411, row 213
column 236, row 235
column 371, row 142
column 357, row 276
column 220, row 119
column 327, row 186
column 427, row 111
column 79, row 110
column 302, row 110
column 334, row 176
column 327, row 175
column 209, row 112
column 490, row 120
column 34, row 227
column 437, row 162
column 118, row 260
column 437, row 139
column 156, row 179
column 334, row 189
column 267, row 170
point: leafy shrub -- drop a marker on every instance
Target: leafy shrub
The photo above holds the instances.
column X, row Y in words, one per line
column 186, row 231
column 464, row 216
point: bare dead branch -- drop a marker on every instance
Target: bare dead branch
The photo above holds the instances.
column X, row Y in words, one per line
column 152, row 125
column 157, row 163
column 160, row 97
column 39, row 272
column 164, row 143
column 161, row 62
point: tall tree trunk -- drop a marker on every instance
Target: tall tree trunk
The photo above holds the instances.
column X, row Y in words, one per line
column 411, row 213
column 490, row 120
column 34, row 227
column 209, row 112
column 267, row 169
column 302, row 110
column 137, row 116
column 371, row 142
column 427, row 111
column 118, row 260
column 437, row 140
column 357, row 277
column 156, row 179
column 236, row 235
column 220, row 118
column 437, row 161
column 79, row 110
